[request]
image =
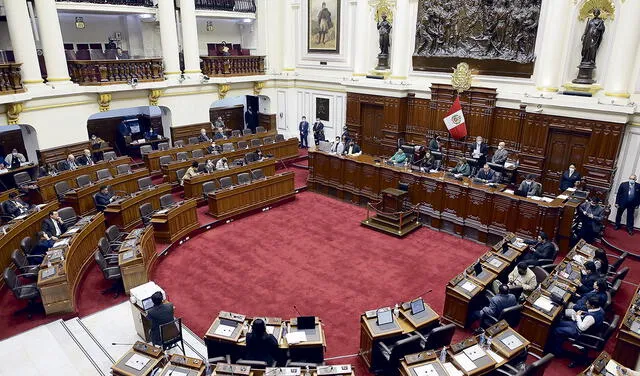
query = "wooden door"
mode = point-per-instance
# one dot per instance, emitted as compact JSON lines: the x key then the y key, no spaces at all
{"x":563,"y":149}
{"x":372,"y":119}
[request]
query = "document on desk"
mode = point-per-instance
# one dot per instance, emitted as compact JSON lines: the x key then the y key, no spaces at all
{"x":224,"y":330}
{"x":563,"y":197}
{"x":474,"y":352}
{"x":544,"y":303}
{"x":463,"y":360}
{"x":611,"y":367}
{"x":635,"y":327}
{"x":512,"y":342}
{"x":426,"y":370}
{"x":452,"y":370}
{"x":497,"y":358}
{"x":175,"y":372}
{"x":468,"y":286}
{"x":271,"y":329}
{"x":547,"y":199}
{"x":509,"y":191}
{"x":579,"y":259}
{"x":61,"y":243}
{"x":73,"y":230}
{"x":296,"y":337}
{"x":495,"y":262}
{"x":137,"y":362}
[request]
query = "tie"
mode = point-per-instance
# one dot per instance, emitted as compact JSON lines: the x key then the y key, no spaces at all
{"x":631,"y":191}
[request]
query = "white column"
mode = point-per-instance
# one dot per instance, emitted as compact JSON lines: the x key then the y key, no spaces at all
{"x":623,"y":52}
{"x":52,"y":45}
{"x":22,"y":42}
{"x":548,"y":70}
{"x":400,"y":38}
{"x":361,"y":39}
{"x":289,"y":49}
{"x":190,"y":47}
{"x":169,"y":37}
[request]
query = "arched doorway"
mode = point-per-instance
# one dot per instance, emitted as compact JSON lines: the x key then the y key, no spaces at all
{"x":245,"y":111}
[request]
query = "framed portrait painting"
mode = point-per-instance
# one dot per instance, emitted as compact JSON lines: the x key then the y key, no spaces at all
{"x":322,"y":109}
{"x":323,"y":26}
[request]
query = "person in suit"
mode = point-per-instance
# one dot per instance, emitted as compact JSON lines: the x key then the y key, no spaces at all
{"x":69,"y":163}
{"x":191,"y":171}
{"x":540,"y":249}
{"x":103,"y":198}
{"x":600,"y":288}
{"x":160,"y":314}
{"x":318,"y":131}
{"x":43,"y":244}
{"x":222,"y":164}
{"x":434,"y":144}
{"x":214,"y":149}
{"x":303,"y":127}
{"x":569,"y":178}
{"x":48,"y":169}
{"x":627,"y":199}
{"x":14,"y":206}
{"x":54,"y":225}
{"x":501,"y":155}
{"x":202,"y":137}
{"x":486,"y":174}
{"x":337,"y":147}
{"x":589,"y":276}
{"x":590,"y":214}
{"x":601,"y":261}
{"x":462,"y":167}
{"x":14,"y":159}
{"x":530,"y":187}
{"x":218,"y":134}
{"x":86,"y":159}
{"x":497,"y":304}
{"x":250,"y":120}
{"x":353,"y":149}
{"x":218,"y":124}
{"x":399,"y":157}
{"x":479,"y":150}
{"x":261,"y":345}
{"x":151,"y":135}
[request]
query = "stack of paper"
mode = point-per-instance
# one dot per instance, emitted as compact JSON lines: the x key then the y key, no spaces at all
{"x":452,"y":370}
{"x":495,"y":262}
{"x":296,"y":337}
{"x":543,"y":303}
{"x":137,"y":362}
{"x":512,"y":342}
{"x":468,"y":286}
{"x":463,"y":361}
{"x":426,"y":370}
{"x":224,"y":330}
{"x":474,"y":352}
{"x":563,"y":197}
{"x":497,"y":358}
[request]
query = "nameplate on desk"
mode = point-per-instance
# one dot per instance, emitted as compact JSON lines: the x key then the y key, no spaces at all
{"x":186,"y":362}
{"x":420,"y":357}
{"x":128,"y":255}
{"x":48,"y":272}
{"x":137,"y":362}
{"x":232,"y":369}
{"x":334,"y":370}
{"x":55,"y":255}
{"x":497,"y":328}
{"x":147,"y":349}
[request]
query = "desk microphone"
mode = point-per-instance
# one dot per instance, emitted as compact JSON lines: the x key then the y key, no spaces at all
{"x":423,"y":294}
{"x":296,"y":309}
{"x":121,"y":344}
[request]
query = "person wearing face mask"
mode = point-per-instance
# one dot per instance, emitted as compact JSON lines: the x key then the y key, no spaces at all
{"x":520,"y":276}
{"x":202,"y":137}
{"x":478,"y":150}
{"x":14,"y":159}
{"x":353,"y":149}
{"x":590,"y":214}
{"x":569,"y":178}
{"x":501,"y":155}
{"x":627,"y":198}
{"x":69,"y":163}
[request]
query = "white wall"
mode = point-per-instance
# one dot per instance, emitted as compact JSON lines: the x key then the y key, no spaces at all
{"x":223,"y":30}
{"x":628,"y":163}
{"x":30,"y":139}
{"x":228,"y":102}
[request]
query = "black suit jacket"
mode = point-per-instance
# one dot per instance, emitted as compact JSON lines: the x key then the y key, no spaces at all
{"x":159,"y":315}
{"x":568,"y":181}
{"x":83,"y":160}
{"x":11,"y":208}
{"x":103,"y":199}
{"x":488,"y":176}
{"x":356,"y":149}
{"x":65,"y":165}
{"x":264,"y":349}
{"x":622,"y":197}
{"x":50,"y":229}
{"x":484,"y":150}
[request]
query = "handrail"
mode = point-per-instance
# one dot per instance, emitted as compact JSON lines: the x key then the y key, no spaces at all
{"x":224,"y":66}
{"x":245,"y":6}
{"x":412,"y":209}
{"x":139,"y":3}
{"x":101,"y":72}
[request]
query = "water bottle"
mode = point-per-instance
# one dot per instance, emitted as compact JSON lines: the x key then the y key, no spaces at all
{"x":482,"y":339}
{"x":443,"y":355}
{"x":396,"y":310}
{"x":590,"y":371}
{"x":307,"y":373}
{"x":207,"y":369}
{"x":489,"y":340}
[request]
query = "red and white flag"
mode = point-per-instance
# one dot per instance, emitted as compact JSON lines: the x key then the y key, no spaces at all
{"x":455,"y":121}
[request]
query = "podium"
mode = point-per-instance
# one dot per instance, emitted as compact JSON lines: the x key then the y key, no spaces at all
{"x":389,"y":215}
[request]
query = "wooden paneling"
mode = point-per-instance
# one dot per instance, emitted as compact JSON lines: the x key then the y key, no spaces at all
{"x":59,"y":153}
{"x":107,"y":128}
{"x":10,"y":140}
{"x":268,"y":121}
{"x":419,"y":122}
{"x":183,"y":132}
{"x":233,"y":116}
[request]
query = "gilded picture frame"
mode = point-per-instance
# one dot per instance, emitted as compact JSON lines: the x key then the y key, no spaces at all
{"x":323,"y":26}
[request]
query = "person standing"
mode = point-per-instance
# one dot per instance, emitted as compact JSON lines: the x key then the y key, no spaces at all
{"x":627,"y":198}
{"x":590,"y":214}
{"x":303,"y":127}
{"x":501,"y":155}
{"x":249,"y":119}
{"x":478,"y":151}
{"x":318,"y":131}
{"x":434,"y":144}
{"x":569,"y":178}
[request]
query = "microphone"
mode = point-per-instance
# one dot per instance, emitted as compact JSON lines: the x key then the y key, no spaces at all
{"x":423,"y":294}
{"x":121,"y":344}
{"x":296,"y":309}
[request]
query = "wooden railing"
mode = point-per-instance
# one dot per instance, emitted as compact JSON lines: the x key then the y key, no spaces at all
{"x":10,"y":80}
{"x":107,"y":72}
{"x":140,"y":3}
{"x":224,"y":66}
{"x":228,"y":5}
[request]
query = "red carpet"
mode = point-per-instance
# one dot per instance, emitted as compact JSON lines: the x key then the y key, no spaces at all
{"x":622,"y":240}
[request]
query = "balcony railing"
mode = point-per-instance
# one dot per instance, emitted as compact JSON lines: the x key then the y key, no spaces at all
{"x":10,"y":80}
{"x":108,"y":72}
{"x":225,"y":66}
{"x":248,"y":6}
{"x":139,"y":3}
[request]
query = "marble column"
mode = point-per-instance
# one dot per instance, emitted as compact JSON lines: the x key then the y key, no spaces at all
{"x":548,"y":73}
{"x":292,"y":8}
{"x":190,"y":37}
{"x":401,"y":50}
{"x":624,"y":51}
{"x":361,"y":41}
{"x":22,"y":41}
{"x":169,"y":37}
{"x":52,"y":44}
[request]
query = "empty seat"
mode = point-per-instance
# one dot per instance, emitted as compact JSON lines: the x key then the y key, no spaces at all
{"x":238,"y":162}
{"x":256,"y":142}
{"x":250,"y":157}
{"x":114,"y":236}
{"x":235,"y":133}
{"x":22,"y":178}
{"x":165,"y":160}
{"x":61,"y":188}
{"x":145,"y":183}
{"x":21,"y":290}
{"x":226,"y":182}
{"x":439,"y":337}
{"x":228,"y":146}
{"x":242,"y":145}
{"x":123,"y":169}
{"x":146,"y":211}
{"x":28,"y":265}
{"x":260,"y":129}
{"x":179,"y":143}
{"x":247,"y":132}
{"x":145,"y":149}
{"x":110,"y":272}
{"x":166,"y":200}
{"x":103,"y":174}
{"x":202,"y":167}
{"x":268,"y":140}
{"x":163,"y":146}
{"x":109,"y":156}
{"x":26,"y":245}
{"x":83,"y":181}
{"x":182,"y":156}
{"x":198,"y":153}
{"x":68,"y":216}
{"x":108,"y":254}
{"x":180,"y":173}
{"x":244,"y":178}
{"x":279,"y":137}
{"x":257,"y":174}
{"x":193,"y":140}
{"x":207,"y":187}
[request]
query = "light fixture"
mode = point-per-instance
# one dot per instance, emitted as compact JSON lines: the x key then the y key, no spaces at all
{"x":247,"y":20}
{"x":145,"y":16}
{"x":181,"y":78}
{"x":80,"y":23}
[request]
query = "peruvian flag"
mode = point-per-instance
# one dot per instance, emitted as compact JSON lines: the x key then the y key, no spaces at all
{"x":455,"y":121}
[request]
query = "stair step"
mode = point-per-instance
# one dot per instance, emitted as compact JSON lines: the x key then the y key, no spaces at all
{"x":92,"y":349}
{"x":393,"y":222}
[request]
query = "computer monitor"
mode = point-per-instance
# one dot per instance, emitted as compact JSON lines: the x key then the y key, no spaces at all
{"x":417,"y":306}
{"x":147,"y":303}
{"x":306,"y":322}
{"x":568,"y":269}
{"x":477,"y":268}
{"x":384,"y":316}
{"x":324,"y":146}
{"x":520,"y":193}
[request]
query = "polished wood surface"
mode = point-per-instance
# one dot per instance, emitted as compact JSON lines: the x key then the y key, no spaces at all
{"x":58,"y":290}
{"x":11,"y":81}
{"x":627,"y":350}
{"x":193,"y":185}
{"x":46,"y":183}
{"x":241,"y":199}
{"x":81,"y":199}
{"x":110,"y":72}
{"x":183,"y":132}
{"x":136,"y":256}
{"x":229,"y":66}
{"x":125,"y":213}
{"x":463,"y":208}
{"x":59,"y":153}
{"x":173,"y":223}
{"x":233,"y":116}
{"x":120,"y":368}
{"x":279,"y":150}
{"x":4,"y":195}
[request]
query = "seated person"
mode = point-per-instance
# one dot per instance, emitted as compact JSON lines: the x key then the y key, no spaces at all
{"x":353,"y":149}
{"x":14,"y":159}
{"x":69,"y":163}
{"x":54,"y":225}
{"x":530,"y":187}
{"x":14,"y":206}
{"x":104,"y":197}
{"x":418,"y":153}
{"x":210,"y":166}
{"x":462,"y":167}
{"x":501,"y":155}
{"x":587,"y":322}
{"x":497,"y":304}
{"x":520,"y":276}
{"x":219,"y":134}
{"x":600,"y":288}
{"x":222,"y":164}
{"x":191,"y":171}
{"x":434,"y":144}
{"x":219,"y":123}
{"x":601,"y":261}
{"x":160,"y":314}
{"x":256,"y":156}
{"x":589,"y":276}
{"x":151,"y":135}
{"x":202,"y":137}
{"x":338,"y":146}
{"x":43,"y":244}
{"x":214,"y":149}
{"x":399,"y":157}
{"x":590,"y":215}
{"x":486,"y":174}
{"x":48,"y":170}
{"x":569,"y":178}
{"x":96,"y":141}
{"x":427,"y":162}
{"x":85,"y":159}
{"x":261,"y":345}
{"x":539,"y":249}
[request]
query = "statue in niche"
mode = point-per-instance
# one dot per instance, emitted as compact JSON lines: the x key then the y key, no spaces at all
{"x":384,"y":29}
{"x":591,"y":40}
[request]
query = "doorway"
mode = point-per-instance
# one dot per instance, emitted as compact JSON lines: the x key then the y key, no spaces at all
{"x":372,"y":118}
{"x":564,"y":149}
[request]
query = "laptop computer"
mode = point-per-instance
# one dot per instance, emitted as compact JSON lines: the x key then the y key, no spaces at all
{"x":477,"y":268}
{"x":417,"y":306}
{"x":306,"y":322}
{"x":147,"y":304}
{"x":384,"y":316}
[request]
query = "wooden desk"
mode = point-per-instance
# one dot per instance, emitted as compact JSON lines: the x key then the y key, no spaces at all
{"x":464,"y":208}
{"x":173,"y":223}
{"x":240,"y":199}
{"x":46,"y":183}
{"x":20,"y":228}
{"x":124,"y":212}
{"x":136,"y":256}
{"x":153,"y":357}
{"x":627,"y":348}
{"x":58,"y":290}
{"x":183,"y":365}
{"x":7,"y":180}
{"x":4,"y":195}
{"x":598,"y":367}
{"x":193,"y":185}
{"x":462,"y":291}
{"x":279,"y":150}
{"x":81,"y":199}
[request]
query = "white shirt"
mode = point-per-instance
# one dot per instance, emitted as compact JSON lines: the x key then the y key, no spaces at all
{"x":584,"y":323}
{"x":221,"y":165}
{"x":571,"y":171}
{"x":55,"y":224}
{"x":476,"y":151}
{"x":340,"y":148}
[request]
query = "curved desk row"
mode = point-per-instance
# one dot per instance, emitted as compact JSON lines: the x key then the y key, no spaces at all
{"x":173,"y":223}
{"x":124,"y":212}
{"x":136,"y":257}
